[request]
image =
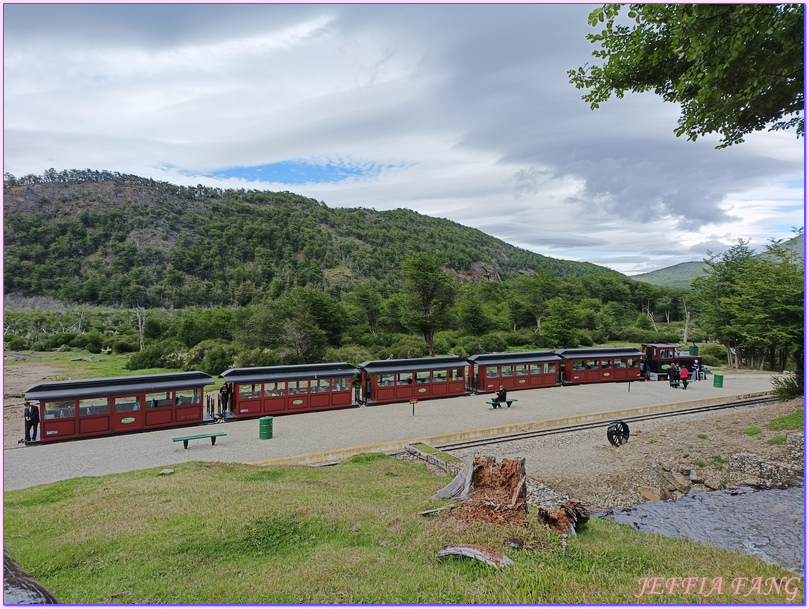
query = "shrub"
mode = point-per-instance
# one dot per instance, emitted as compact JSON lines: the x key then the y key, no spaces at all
{"x":493,"y":342}
{"x":163,"y":354}
{"x":714,"y":350}
{"x":585,"y":338}
{"x":94,"y":341}
{"x":125,"y":345}
{"x":709,"y":360}
{"x":786,"y":387}
{"x":15,"y":343}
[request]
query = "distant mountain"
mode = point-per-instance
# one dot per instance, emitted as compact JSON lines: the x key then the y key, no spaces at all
{"x":680,"y":275}
{"x":677,"y":276}
{"x":100,"y":237}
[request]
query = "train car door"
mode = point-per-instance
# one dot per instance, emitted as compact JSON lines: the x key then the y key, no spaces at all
{"x":274,"y":400}
{"x":439,"y":383}
{"x":321,"y":394}
{"x":404,"y":385}
{"x":456,"y":384}
{"x":298,"y":398}
{"x":94,"y":416}
{"x":57,"y":420}
{"x":127,"y":413}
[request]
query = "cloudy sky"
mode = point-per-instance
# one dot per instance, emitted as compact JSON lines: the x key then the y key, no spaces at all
{"x":457,"y":111}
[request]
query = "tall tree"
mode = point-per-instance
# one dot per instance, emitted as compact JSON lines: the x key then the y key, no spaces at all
{"x":733,"y":68}
{"x":429,"y":293}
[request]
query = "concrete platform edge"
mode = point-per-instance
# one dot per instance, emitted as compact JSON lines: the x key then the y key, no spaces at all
{"x":490,"y":432}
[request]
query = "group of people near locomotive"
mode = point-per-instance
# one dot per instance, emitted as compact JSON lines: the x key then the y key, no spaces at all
{"x":96,"y":407}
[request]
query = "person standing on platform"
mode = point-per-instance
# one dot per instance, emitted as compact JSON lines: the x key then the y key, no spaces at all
{"x":31,"y":415}
{"x":695,"y":374}
{"x":684,"y":377}
{"x":224,"y":395}
{"x":674,"y":376}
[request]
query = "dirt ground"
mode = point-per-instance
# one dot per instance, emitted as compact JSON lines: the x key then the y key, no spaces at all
{"x":16,"y":379}
{"x":586,"y":467}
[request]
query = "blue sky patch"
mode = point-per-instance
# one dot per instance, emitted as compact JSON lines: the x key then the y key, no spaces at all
{"x":289,"y":172}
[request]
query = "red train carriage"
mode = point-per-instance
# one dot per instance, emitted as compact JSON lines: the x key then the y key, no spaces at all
{"x":660,"y":357}
{"x":400,"y":380}
{"x":600,"y":365}
{"x":288,"y":389}
{"x":100,"y":407}
{"x":526,"y":370}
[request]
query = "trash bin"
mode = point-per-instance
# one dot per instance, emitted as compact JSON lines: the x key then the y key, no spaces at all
{"x":693,"y":350}
{"x":265,"y":428}
{"x":717,"y":380}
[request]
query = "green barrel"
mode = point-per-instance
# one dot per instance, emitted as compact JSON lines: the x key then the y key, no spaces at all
{"x":717,"y":380}
{"x":693,"y":350}
{"x":265,"y":428}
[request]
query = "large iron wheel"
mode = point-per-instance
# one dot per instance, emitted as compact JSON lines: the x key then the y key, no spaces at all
{"x":618,"y":433}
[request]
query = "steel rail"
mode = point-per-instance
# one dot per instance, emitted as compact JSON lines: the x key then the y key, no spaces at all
{"x":596,"y":424}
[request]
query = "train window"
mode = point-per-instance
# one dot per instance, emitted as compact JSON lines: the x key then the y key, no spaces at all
{"x":606,"y":364}
{"x":492,"y":372}
{"x":249,"y":391}
{"x":385,"y":380}
{"x":275,"y":389}
{"x":94,"y":406}
{"x":536,"y":368}
{"x":550,"y":368}
{"x":155,"y":400}
{"x":194,"y":396}
{"x":578,"y":364}
{"x":522,"y":369}
{"x":592,"y":364}
{"x":456,"y":374}
{"x":422,"y":377}
{"x":320,"y":385}
{"x":127,"y":404}
{"x":666,"y":353}
{"x":620,"y":363}
{"x":439,"y":376}
{"x":60,"y":410}
{"x":633,"y":362}
{"x":507,"y":370}
{"x":404,"y":378}
{"x":340,"y":384}
{"x":298,"y":387}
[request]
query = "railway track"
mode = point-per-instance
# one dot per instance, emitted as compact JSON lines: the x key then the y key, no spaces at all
{"x":756,"y":401}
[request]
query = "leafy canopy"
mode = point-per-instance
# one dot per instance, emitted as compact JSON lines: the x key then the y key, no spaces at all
{"x":733,"y":68}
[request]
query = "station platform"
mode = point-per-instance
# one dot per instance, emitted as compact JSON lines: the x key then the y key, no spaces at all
{"x":321,"y":437}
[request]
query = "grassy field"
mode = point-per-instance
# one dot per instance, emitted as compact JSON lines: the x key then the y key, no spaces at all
{"x":229,"y":533}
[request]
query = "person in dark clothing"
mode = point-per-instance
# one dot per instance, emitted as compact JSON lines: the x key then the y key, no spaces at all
{"x":31,"y":415}
{"x":501,"y":397}
{"x":674,"y":376}
{"x":224,"y":394}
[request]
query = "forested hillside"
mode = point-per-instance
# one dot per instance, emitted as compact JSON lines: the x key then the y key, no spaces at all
{"x":109,"y":239}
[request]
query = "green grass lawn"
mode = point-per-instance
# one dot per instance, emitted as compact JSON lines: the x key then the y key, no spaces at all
{"x":230,"y":533}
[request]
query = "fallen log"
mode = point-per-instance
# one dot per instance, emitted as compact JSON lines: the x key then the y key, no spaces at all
{"x":482,"y":553}
{"x":458,"y":488}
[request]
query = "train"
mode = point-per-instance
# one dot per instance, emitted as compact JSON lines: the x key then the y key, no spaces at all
{"x":100,"y":407}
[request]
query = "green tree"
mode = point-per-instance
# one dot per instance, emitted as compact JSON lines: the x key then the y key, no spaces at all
{"x":733,"y":68}
{"x":429,"y":295}
{"x":561,"y":324}
{"x":535,"y":291}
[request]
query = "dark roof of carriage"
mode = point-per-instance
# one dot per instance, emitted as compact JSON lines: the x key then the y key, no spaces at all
{"x":599,"y":353}
{"x":414,"y":365}
{"x":117,"y":385}
{"x":525,"y":357}
{"x":285,"y":373}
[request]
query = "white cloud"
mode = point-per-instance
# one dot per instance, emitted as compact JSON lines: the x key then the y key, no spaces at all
{"x":466,"y":109}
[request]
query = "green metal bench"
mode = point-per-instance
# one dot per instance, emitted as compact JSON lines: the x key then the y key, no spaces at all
{"x":495,"y":403}
{"x":212,"y":436}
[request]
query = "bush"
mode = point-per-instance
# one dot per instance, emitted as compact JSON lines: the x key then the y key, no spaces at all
{"x":218,"y":359}
{"x":716,"y":351}
{"x":15,"y":343}
{"x":709,"y":360}
{"x":125,"y":345}
{"x":585,"y":339}
{"x":164,"y":354}
{"x":493,"y":343}
{"x":94,"y":341}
